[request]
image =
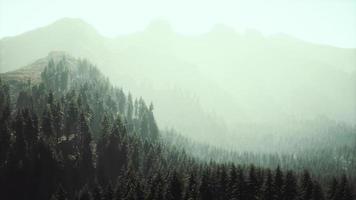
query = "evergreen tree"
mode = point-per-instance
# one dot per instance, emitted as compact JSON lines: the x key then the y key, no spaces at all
{"x":223,"y":183}
{"x":47,"y":124}
{"x":278,"y":184}
{"x":97,"y":193}
{"x":317,"y":192}
{"x":192,"y":188}
{"x":5,"y":115}
{"x":268,"y":188}
{"x":153,"y":128}
{"x":71,"y":120}
{"x":252,"y":184}
{"x":58,"y":117}
{"x":306,"y":186}
{"x":344,"y":191}
{"x":175,"y":187}
{"x":232,"y":181}
{"x":19,"y":145}
{"x":290,"y":187}
{"x":5,"y":137}
{"x":205,"y":192}
{"x":31,"y":127}
{"x":85,"y":162}
{"x":84,"y":194}
{"x":108,"y":193}
{"x":60,"y":194}
{"x":332,"y":191}
{"x":129,"y":109}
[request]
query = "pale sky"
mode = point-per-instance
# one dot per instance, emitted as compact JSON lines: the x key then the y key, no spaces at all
{"x":330,"y":22}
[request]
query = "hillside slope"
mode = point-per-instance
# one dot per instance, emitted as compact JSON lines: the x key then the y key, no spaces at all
{"x":224,"y":79}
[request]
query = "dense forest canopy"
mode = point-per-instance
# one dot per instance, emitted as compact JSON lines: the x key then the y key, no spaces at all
{"x":67,"y":133}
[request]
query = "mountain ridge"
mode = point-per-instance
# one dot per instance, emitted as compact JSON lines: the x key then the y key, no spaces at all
{"x":233,"y":76}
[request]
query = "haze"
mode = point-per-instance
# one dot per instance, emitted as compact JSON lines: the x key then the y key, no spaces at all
{"x":229,"y":73}
{"x":178,"y":99}
{"x":320,"y":21}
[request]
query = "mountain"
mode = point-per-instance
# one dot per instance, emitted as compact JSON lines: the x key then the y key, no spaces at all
{"x":33,"y":71}
{"x":220,"y":82}
{"x":70,"y":134}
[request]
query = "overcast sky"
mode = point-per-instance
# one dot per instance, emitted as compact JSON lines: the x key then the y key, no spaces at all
{"x":321,"y":21}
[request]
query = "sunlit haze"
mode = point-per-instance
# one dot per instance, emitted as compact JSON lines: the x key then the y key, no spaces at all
{"x":330,"y":22}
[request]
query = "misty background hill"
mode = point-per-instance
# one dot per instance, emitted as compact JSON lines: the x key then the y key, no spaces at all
{"x":222,"y":83}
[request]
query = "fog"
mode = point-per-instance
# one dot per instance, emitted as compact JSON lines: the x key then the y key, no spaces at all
{"x":168,"y":99}
{"x":220,"y":75}
{"x":223,"y":87}
{"x":320,"y":21}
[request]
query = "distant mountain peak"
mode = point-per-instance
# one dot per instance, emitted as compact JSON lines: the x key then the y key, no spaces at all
{"x":71,"y":22}
{"x":71,"y":26}
{"x":160,"y":27}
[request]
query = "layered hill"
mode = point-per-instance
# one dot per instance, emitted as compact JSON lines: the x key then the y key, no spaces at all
{"x":219,"y":82}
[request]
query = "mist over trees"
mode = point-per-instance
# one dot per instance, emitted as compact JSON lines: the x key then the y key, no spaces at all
{"x":69,"y":134}
{"x":160,"y":115}
{"x":231,"y":83}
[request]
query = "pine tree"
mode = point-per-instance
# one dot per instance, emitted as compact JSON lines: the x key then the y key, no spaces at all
{"x":5,"y":112}
{"x":223,"y":183}
{"x":97,"y":193}
{"x":232,"y":180}
{"x":205,"y":192}
{"x":278,"y":184}
{"x":240,"y":187}
{"x":129,"y":109}
{"x":85,"y":162}
{"x":191,"y":192}
{"x":71,"y":120}
{"x":84,"y":194}
{"x":20,"y":144}
{"x":317,"y":192}
{"x":5,"y":137}
{"x":252,"y":184}
{"x":306,"y":186}
{"x":58,"y":117}
{"x":290,"y":187}
{"x":31,"y":127}
{"x":108,"y":193}
{"x":268,"y":188}
{"x":175,"y":188}
{"x":109,"y":151}
{"x":105,"y":127}
{"x":60,"y":194}
{"x":331,"y":194}
{"x":47,"y":124}
{"x":344,"y":191}
{"x":153,"y":128}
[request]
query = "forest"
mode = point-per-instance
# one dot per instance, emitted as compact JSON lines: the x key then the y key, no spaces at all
{"x":70,"y":134}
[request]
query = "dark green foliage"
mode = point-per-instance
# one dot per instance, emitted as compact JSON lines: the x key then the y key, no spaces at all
{"x":205,"y":190}
{"x":252,"y":184}
{"x":92,"y":142}
{"x":60,"y":194}
{"x":5,"y":112}
{"x":306,"y":186}
{"x":267,"y":192}
{"x":192,"y":188}
{"x":317,"y":192}
{"x":344,"y":191}
{"x":290,"y":187}
{"x":278,"y":184}
{"x":175,"y":187}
